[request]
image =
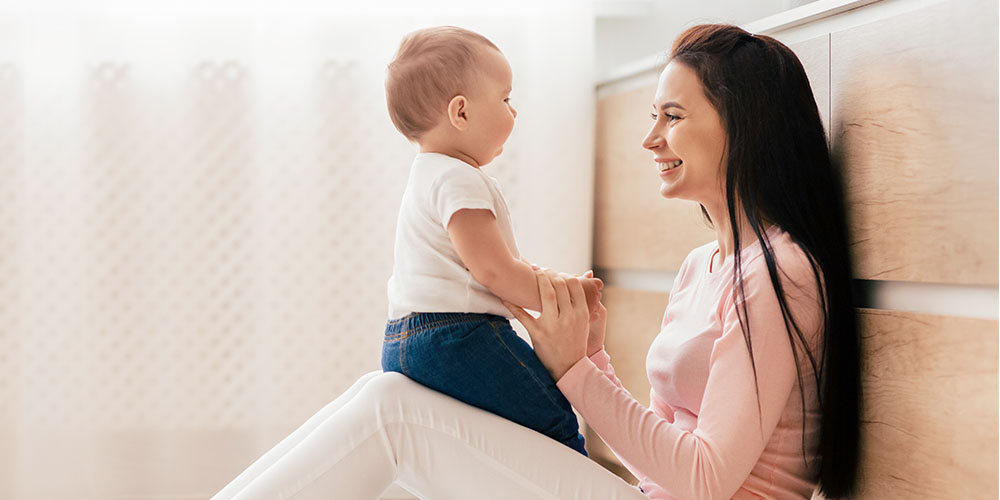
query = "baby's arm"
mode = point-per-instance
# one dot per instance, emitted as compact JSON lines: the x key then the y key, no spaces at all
{"x":478,"y":242}
{"x":476,"y":237}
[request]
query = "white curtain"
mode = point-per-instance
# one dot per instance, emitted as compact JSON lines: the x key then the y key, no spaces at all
{"x":197,"y":209}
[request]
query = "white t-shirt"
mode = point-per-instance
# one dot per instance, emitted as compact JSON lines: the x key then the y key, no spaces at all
{"x":427,"y":274}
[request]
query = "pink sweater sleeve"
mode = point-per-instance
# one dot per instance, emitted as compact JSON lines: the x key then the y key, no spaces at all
{"x":716,"y":458}
{"x":602,"y":360}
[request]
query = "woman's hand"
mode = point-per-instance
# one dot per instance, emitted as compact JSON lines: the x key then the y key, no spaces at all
{"x":598,"y":327}
{"x":598,"y":323}
{"x":560,"y":334}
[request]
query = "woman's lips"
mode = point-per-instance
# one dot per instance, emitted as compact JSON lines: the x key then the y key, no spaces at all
{"x":668,"y":172}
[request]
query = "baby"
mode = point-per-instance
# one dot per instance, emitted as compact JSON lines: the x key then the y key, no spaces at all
{"x":448,"y":91}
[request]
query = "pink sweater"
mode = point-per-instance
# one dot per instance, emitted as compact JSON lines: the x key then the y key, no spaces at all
{"x":703,"y":437}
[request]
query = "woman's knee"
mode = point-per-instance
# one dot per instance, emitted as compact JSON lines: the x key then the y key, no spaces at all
{"x":389,"y":384}
{"x":389,"y":387}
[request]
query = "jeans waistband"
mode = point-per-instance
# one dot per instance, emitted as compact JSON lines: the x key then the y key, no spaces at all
{"x":413,"y":321}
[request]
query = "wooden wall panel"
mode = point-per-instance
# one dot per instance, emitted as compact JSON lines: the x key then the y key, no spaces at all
{"x":635,"y":227}
{"x":930,"y":418}
{"x":915,"y":122}
{"x":633,"y":322}
{"x":634,"y":319}
{"x":814,"y":54}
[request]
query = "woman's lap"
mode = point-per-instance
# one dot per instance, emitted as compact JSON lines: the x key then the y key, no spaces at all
{"x":395,"y":430}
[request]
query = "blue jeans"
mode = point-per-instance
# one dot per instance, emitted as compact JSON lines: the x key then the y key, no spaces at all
{"x":480,"y":360}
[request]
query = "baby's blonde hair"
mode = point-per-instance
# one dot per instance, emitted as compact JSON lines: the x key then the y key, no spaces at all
{"x":432,"y":66}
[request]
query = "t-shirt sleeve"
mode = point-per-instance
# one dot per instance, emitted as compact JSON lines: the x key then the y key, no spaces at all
{"x":714,"y":459}
{"x":458,"y":188}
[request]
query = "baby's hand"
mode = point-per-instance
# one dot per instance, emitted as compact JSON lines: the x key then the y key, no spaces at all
{"x":591,"y":287}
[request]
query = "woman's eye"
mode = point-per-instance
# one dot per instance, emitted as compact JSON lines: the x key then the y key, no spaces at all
{"x":669,"y":116}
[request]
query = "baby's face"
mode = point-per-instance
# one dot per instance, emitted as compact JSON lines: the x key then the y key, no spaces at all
{"x":491,"y":116}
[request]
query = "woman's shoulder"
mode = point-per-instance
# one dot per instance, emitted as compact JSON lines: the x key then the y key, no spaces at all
{"x":788,"y":254}
{"x":793,"y":264}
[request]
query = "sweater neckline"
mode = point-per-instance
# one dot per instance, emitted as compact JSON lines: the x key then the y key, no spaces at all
{"x":712,"y":270}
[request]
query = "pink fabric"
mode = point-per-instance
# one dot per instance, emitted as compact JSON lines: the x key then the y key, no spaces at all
{"x":704,"y":436}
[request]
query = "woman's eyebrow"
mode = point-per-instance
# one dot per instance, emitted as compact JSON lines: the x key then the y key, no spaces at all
{"x":671,"y":104}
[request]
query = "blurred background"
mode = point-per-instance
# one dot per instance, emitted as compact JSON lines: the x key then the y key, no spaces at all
{"x":198,"y":202}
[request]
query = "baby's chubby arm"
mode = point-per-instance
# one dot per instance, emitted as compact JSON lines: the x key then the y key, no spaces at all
{"x":477,"y":240}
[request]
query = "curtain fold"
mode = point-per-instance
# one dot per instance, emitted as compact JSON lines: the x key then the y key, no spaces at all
{"x":197,"y":211}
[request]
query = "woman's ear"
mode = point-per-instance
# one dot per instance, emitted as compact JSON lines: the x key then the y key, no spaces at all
{"x":456,"y":112}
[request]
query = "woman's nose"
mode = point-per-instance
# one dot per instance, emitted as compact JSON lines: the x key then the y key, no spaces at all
{"x":653,"y":139}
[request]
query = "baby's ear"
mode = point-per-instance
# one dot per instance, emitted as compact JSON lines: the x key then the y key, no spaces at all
{"x":456,"y":112}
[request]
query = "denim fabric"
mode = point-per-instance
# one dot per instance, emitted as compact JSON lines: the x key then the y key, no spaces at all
{"x":480,"y":360}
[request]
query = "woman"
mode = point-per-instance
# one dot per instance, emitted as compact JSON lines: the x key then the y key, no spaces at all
{"x":755,"y":374}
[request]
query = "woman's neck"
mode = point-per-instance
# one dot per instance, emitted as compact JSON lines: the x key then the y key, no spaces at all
{"x":724,"y":232}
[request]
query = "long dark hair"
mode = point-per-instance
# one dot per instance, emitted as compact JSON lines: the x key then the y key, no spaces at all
{"x":779,"y":170}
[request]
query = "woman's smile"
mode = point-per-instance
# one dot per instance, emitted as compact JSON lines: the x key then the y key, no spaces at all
{"x":668,"y":167}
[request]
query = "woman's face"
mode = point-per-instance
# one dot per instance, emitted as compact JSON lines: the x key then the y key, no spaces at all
{"x":687,"y":128}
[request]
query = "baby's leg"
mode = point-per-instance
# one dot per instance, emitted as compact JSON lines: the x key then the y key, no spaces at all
{"x":292,"y":439}
{"x":396,"y":430}
{"x":480,"y":360}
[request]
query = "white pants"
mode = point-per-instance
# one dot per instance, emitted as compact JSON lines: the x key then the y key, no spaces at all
{"x":388,"y":429}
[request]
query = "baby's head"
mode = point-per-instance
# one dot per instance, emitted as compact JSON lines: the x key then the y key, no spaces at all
{"x":448,"y":90}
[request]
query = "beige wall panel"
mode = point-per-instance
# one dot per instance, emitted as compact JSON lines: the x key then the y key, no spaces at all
{"x":633,"y":322}
{"x":635,"y":227}
{"x":814,"y":54}
{"x":930,"y":418}
{"x":634,"y":319}
{"x":914,"y":117}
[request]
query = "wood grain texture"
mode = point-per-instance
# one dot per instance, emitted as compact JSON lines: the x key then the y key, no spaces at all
{"x":814,"y":54}
{"x":915,"y":123}
{"x":635,"y":227}
{"x":633,"y":322}
{"x":930,"y":418}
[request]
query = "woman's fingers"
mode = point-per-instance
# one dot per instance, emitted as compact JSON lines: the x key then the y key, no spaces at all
{"x":576,"y":293}
{"x":547,"y":291}
{"x":526,"y":319}
{"x":562,"y":294}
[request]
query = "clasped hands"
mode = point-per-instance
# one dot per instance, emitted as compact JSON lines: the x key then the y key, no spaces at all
{"x":572,"y":322}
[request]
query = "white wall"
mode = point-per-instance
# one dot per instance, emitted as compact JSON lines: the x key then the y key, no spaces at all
{"x":641,"y":29}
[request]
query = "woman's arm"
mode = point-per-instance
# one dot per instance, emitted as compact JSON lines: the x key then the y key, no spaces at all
{"x":714,"y":459}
